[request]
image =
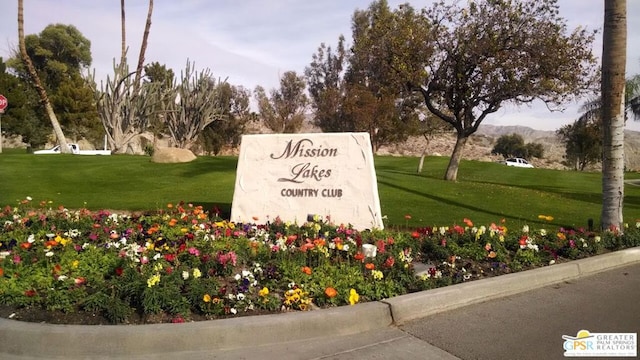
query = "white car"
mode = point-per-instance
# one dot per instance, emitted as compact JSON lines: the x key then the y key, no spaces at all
{"x":518,"y":162}
{"x":75,"y":149}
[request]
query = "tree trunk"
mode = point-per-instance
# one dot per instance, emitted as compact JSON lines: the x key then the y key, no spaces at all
{"x":62,"y":141}
{"x":143,"y":46}
{"x":613,"y":82}
{"x":454,"y":162}
{"x":123,"y":53}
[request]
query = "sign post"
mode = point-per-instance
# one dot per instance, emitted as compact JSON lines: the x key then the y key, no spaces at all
{"x":3,"y":105}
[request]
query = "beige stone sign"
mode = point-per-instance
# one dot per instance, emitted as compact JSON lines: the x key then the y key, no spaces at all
{"x":292,"y":176}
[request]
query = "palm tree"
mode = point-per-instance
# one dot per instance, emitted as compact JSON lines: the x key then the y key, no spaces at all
{"x":62,"y":141}
{"x":592,"y":109}
{"x":614,"y":57}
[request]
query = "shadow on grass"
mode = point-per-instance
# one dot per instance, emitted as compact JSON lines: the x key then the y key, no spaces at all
{"x":465,"y":206}
{"x":207,"y":164}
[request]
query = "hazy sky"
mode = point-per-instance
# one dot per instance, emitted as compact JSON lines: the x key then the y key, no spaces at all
{"x":252,"y":42}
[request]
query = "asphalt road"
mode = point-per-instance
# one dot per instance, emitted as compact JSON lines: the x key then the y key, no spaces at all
{"x":530,"y":325}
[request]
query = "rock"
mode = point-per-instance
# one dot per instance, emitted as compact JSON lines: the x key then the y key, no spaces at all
{"x":172,"y":155}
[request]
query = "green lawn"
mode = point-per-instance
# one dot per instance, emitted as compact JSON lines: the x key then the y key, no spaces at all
{"x":484,"y":192}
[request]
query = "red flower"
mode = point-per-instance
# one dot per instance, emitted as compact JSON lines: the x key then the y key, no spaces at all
{"x":381,"y":246}
{"x":523,"y":240}
{"x":177,"y":320}
{"x":358,"y":256}
{"x":170,"y":257}
{"x":25,"y":245}
{"x":119,"y":271}
{"x":80,"y":280}
{"x":30,"y":293}
{"x":370,"y":266}
{"x":415,"y":235}
{"x":389,"y":262}
{"x":306,"y":270}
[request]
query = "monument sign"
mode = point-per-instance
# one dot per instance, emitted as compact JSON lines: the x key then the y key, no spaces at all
{"x":293,"y":176}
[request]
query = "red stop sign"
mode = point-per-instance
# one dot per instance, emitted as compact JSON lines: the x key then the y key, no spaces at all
{"x":3,"y":103}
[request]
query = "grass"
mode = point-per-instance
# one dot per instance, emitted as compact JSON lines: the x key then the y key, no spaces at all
{"x":484,"y":192}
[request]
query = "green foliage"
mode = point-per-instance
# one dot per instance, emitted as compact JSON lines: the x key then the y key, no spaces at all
{"x":236,"y":114}
{"x":364,"y":89}
{"x":513,"y":146}
{"x":583,"y":143}
{"x":283,"y":110}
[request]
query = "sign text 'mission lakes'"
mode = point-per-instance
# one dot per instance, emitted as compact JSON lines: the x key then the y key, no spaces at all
{"x":306,"y":170}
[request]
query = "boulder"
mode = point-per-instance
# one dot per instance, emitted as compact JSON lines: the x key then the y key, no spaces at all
{"x":172,"y":155}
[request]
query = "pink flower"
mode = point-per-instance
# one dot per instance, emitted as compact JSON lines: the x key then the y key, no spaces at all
{"x":194,"y":251}
{"x":17,"y":259}
{"x":80,"y":280}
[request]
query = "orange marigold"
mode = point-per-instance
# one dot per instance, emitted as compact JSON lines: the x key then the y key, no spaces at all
{"x":330,"y":292}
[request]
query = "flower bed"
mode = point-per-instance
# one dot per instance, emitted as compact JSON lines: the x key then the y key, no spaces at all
{"x":183,"y":263}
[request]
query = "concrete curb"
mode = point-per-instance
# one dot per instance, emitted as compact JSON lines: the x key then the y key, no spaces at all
{"x":413,"y":306}
{"x":31,"y":340}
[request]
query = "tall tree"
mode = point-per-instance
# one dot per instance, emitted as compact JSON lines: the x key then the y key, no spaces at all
{"x":326,"y":84}
{"x":283,"y":110}
{"x":493,"y":52}
{"x":44,"y":98}
{"x":21,"y":118}
{"x":361,"y":90}
{"x":614,"y":57}
{"x":387,"y":46}
{"x":236,"y":114}
{"x":582,"y":141}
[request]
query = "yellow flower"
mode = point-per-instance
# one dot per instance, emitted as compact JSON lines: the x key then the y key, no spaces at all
{"x":197,"y":273}
{"x":264,"y":292}
{"x":153,"y":280}
{"x":377,"y":274}
{"x":75,"y":264}
{"x":206,"y":298}
{"x":353,"y":297}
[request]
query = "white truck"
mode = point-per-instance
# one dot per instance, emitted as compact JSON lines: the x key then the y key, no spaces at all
{"x":75,"y":149}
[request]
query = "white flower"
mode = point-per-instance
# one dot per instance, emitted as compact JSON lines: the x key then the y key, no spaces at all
{"x":185,"y":275}
{"x":597,"y":239}
{"x":29,"y":198}
{"x":245,"y":273}
{"x":62,"y":277}
{"x":31,"y":239}
{"x":345,"y":247}
{"x":156,"y":256}
{"x":4,"y":254}
{"x":543,"y":232}
{"x":231,"y":297}
{"x":240,"y":297}
{"x":48,"y":254}
{"x":551,"y":262}
{"x":237,"y":277}
{"x":234,"y":311}
{"x":525,"y":229}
